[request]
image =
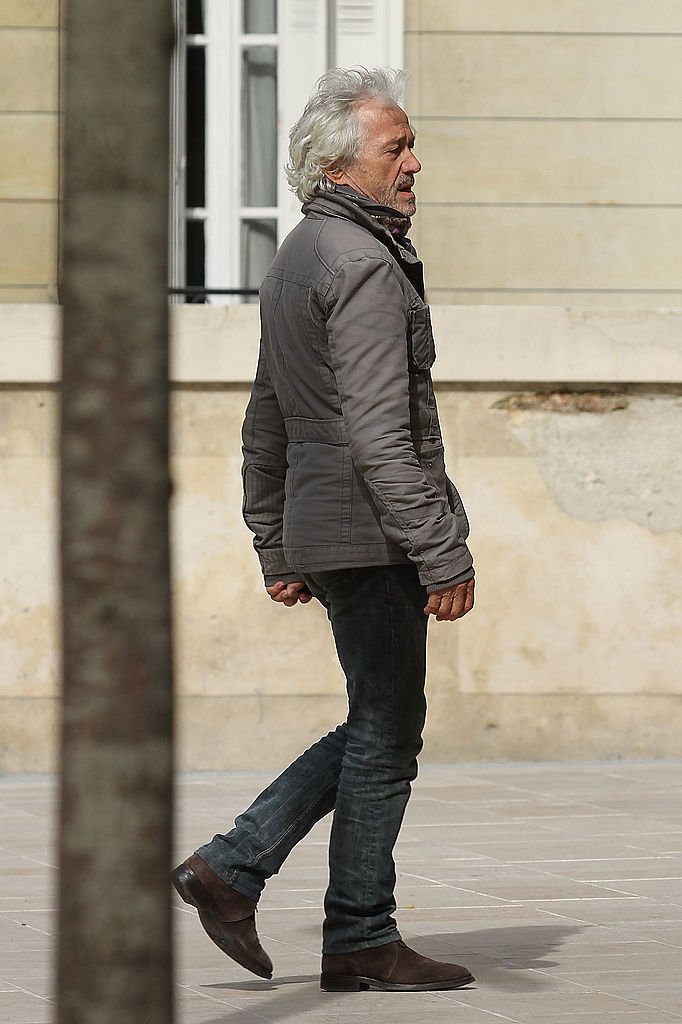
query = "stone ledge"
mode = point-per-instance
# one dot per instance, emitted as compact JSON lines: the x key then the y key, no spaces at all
{"x":243,"y":732}
{"x":476,"y":344}
{"x":249,"y":732}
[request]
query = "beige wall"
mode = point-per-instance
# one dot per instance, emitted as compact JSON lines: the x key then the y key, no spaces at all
{"x":573,"y":649}
{"x":551,"y":135}
{"x":550,"y":132}
{"x":29,"y":100}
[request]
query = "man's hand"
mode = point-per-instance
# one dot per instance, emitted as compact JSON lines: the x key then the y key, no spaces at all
{"x":452,"y":602}
{"x":290,"y":594}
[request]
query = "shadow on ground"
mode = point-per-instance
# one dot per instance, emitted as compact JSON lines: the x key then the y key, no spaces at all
{"x":493,"y":954}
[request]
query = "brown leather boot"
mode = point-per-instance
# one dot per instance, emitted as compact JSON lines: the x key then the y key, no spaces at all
{"x":393,"y":967}
{"x":228,"y":917}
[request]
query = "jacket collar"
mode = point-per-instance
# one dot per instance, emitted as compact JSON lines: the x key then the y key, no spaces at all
{"x":398,"y":224}
{"x":338,"y":204}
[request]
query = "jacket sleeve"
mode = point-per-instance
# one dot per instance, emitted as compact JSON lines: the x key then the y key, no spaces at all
{"x":264,"y":447}
{"x":367,"y":332}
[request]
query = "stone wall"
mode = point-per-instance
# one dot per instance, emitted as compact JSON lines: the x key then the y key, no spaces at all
{"x":550,"y":133}
{"x":549,"y":220}
{"x":573,"y":649}
{"x":29,"y":175}
{"x":551,"y":136}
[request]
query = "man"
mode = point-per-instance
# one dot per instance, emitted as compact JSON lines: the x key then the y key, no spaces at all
{"x":346,"y":493}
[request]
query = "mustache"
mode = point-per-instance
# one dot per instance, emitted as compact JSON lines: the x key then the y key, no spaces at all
{"x":406,"y":182}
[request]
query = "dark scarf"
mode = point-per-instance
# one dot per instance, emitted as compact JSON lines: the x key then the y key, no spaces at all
{"x":396,"y":223}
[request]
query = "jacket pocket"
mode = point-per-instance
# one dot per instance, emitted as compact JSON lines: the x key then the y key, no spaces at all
{"x":421,"y":350}
{"x":317,"y":507}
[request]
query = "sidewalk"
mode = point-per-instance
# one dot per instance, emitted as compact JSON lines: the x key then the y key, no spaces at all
{"x":558,"y":885}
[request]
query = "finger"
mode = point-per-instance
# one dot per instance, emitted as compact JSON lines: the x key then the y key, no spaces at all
{"x":432,"y":604}
{"x":305,"y":596}
{"x":445,"y":607}
{"x":464,"y":600}
{"x":467,"y":600}
{"x":276,"y":589}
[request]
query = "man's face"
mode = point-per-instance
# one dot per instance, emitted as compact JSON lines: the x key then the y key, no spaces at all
{"x":385,"y":167}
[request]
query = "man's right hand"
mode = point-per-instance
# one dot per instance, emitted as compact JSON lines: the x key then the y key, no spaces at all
{"x":289,"y":594}
{"x":452,"y":602}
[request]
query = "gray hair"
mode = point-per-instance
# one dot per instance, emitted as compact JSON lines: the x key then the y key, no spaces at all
{"x":327,"y":135}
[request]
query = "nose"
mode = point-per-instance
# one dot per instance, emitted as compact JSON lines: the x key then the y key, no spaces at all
{"x":411,"y":164}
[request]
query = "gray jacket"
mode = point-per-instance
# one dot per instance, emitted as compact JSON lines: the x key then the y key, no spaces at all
{"x":343,"y":454}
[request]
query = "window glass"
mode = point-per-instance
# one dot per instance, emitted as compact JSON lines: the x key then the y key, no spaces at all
{"x":259,"y":126}
{"x":194,"y":254}
{"x":195,"y":17}
{"x":260,"y":16}
{"x":195,"y":147}
{"x":258,"y":246}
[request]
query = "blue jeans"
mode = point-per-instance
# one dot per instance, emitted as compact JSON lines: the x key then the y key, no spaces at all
{"x":362,"y":770}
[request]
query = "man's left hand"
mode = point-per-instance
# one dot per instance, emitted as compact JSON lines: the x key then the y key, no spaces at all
{"x":289,"y":594}
{"x":452,"y":602}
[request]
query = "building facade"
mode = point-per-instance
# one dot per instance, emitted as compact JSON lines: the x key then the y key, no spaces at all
{"x":549,"y":222}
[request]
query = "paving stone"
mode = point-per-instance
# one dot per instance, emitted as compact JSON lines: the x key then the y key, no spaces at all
{"x":559,"y":885}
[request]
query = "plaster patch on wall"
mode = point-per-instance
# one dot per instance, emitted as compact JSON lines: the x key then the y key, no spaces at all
{"x":563,"y":401}
{"x":618,"y":462}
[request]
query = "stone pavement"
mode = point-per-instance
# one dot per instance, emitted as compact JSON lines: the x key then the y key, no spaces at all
{"x":558,"y":885}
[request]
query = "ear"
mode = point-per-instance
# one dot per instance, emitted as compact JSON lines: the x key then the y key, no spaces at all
{"x":337,"y":177}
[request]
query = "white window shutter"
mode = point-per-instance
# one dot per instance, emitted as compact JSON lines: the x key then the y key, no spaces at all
{"x":369,"y":33}
{"x":303,"y":57}
{"x":222,"y":144}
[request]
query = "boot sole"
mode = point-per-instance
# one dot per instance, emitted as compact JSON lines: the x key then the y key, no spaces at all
{"x":192,"y":891}
{"x":359,"y":983}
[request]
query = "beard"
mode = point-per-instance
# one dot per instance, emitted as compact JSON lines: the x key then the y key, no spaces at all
{"x":400,"y":200}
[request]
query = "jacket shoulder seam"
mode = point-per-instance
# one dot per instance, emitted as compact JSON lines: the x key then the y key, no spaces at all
{"x":317,"y":251}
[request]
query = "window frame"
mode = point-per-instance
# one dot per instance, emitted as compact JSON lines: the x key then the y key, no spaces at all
{"x":327,"y":32}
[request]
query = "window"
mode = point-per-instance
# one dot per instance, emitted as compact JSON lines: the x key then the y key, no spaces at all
{"x":242,"y":70}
